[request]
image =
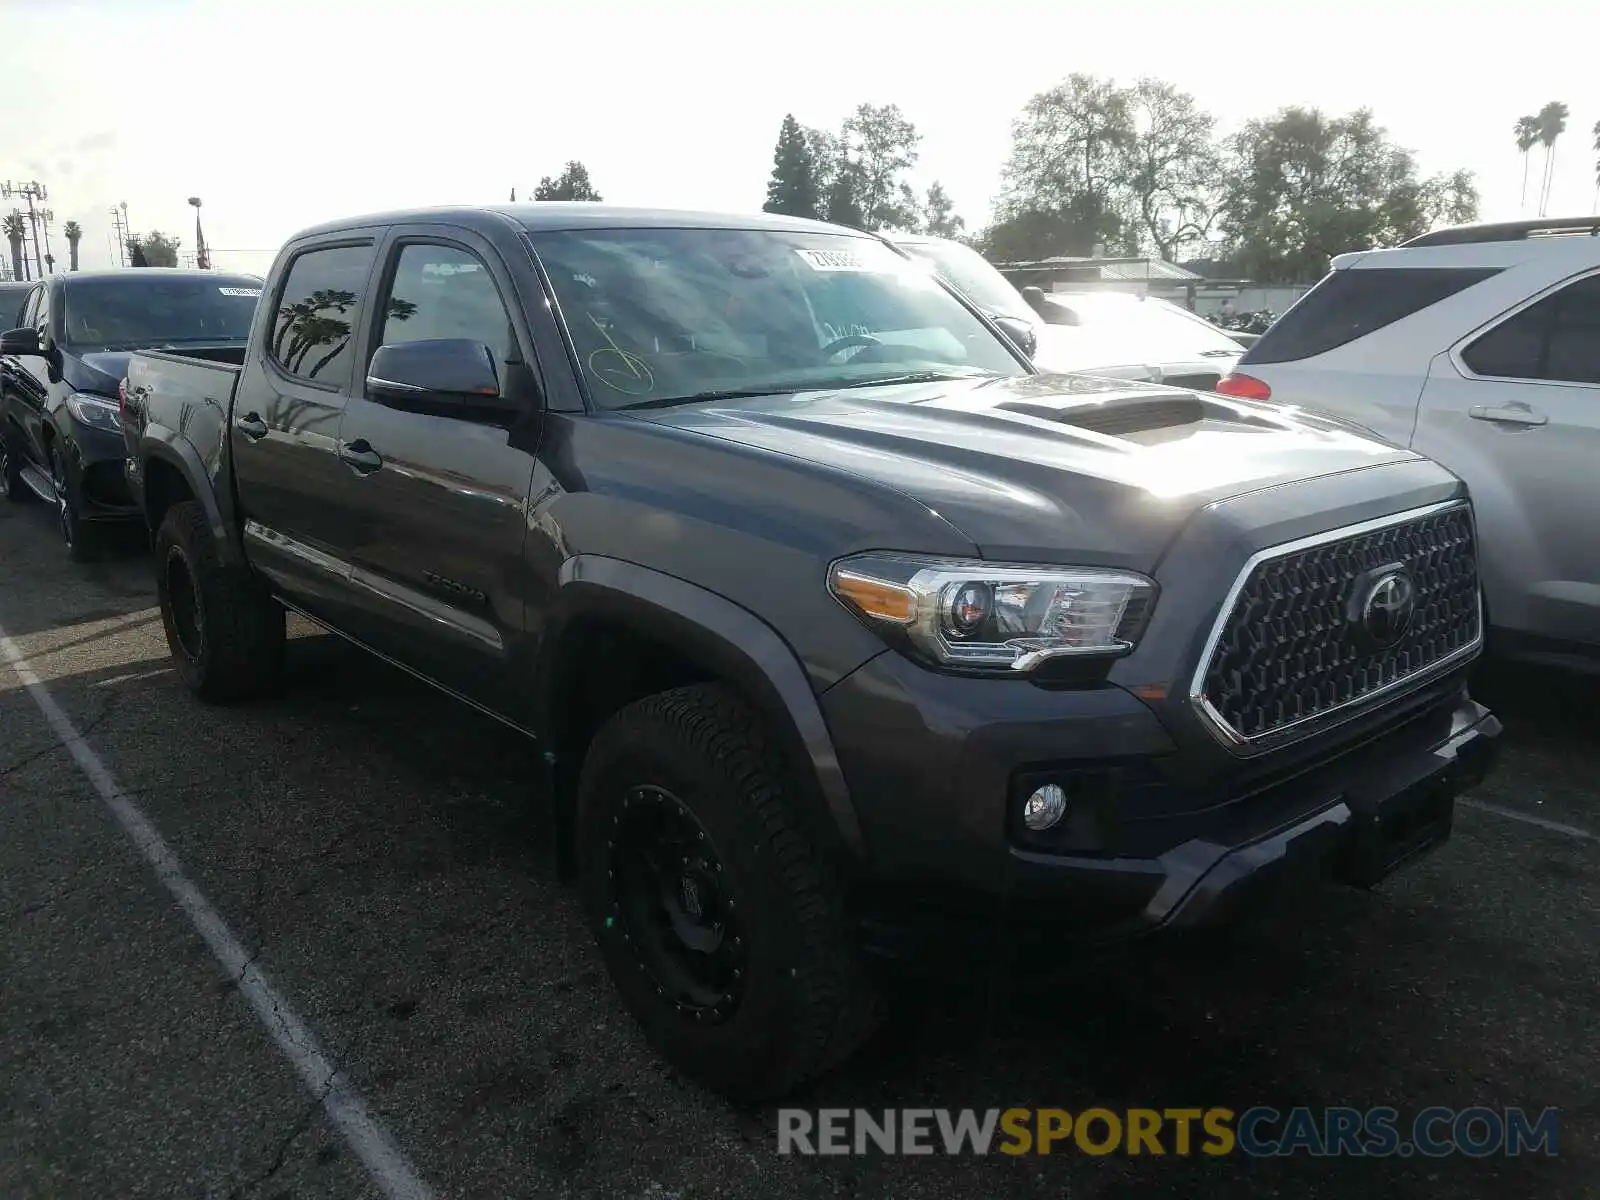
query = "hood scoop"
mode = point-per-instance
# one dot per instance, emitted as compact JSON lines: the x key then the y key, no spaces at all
{"x":1133,"y":413}
{"x":1123,"y":415}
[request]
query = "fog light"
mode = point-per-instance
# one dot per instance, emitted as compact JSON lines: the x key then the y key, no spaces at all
{"x":1044,"y":808}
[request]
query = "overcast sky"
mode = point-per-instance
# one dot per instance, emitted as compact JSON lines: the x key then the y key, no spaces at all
{"x":287,"y":113}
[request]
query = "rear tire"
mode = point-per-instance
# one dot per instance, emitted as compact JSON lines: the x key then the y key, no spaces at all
{"x":721,"y":922}
{"x":224,"y":629}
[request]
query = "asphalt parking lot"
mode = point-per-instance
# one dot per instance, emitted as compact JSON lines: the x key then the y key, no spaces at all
{"x":368,"y":844}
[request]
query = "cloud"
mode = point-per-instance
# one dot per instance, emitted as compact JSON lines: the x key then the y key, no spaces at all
{"x":94,"y":143}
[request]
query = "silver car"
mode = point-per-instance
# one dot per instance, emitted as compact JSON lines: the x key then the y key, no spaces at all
{"x":1088,"y":333}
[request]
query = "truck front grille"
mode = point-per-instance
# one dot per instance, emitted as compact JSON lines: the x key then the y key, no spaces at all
{"x":1313,"y":627}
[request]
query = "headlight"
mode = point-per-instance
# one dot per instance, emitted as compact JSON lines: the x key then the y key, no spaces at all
{"x":995,"y":616}
{"x":96,"y":411}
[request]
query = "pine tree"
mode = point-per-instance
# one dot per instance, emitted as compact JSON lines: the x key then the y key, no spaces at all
{"x":572,"y":184}
{"x":792,"y":190}
{"x":844,"y":197}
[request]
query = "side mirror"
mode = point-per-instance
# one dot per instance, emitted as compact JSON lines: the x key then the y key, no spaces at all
{"x":438,"y":373}
{"x":20,"y":342}
{"x":1035,"y":297}
{"x":1021,"y":332}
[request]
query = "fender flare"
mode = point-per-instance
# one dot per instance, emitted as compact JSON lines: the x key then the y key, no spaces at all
{"x":736,"y":643}
{"x":160,"y":444}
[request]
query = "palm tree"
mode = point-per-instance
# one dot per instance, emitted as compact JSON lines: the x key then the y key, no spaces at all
{"x":15,"y":230}
{"x":73,"y":232}
{"x":1527,"y":130}
{"x":1597,"y":166}
{"x":1552,"y":124}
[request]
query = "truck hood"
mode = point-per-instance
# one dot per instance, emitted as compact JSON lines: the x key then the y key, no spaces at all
{"x":1048,"y":467}
{"x":103,"y":370}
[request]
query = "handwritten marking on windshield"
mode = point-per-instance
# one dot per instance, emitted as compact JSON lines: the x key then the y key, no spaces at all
{"x":619,"y":370}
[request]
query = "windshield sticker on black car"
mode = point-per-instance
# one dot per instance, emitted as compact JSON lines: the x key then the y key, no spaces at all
{"x":240,"y":291}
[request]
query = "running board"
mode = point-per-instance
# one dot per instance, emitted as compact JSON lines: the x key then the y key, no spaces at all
{"x":39,"y":484}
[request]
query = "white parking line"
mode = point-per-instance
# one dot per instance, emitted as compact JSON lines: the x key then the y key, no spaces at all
{"x":1512,"y":814}
{"x":371,"y":1143}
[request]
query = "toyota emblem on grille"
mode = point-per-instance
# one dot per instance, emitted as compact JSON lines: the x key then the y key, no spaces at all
{"x":1388,"y":606}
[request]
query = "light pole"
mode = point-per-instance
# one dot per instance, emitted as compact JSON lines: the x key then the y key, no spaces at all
{"x":45,"y":217}
{"x":31,"y":191}
{"x":202,"y":260}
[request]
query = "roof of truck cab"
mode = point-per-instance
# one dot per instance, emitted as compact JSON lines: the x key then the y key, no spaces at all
{"x":542,"y":215}
{"x":132,"y":273}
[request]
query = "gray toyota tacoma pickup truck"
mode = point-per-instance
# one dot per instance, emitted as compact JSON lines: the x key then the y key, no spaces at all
{"x":830,"y":614}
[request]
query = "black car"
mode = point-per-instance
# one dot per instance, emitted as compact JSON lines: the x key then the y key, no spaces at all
{"x":62,"y":370}
{"x":12,"y":294}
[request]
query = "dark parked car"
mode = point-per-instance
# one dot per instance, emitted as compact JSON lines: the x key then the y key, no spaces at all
{"x":11,"y":297}
{"x":60,"y":430}
{"x":829,"y":613}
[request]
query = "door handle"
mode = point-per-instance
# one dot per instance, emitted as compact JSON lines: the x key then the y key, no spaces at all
{"x":252,"y":426}
{"x":1507,"y":415}
{"x":360,"y":457}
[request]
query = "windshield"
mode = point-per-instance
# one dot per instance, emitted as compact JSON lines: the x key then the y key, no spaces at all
{"x":963,"y":267}
{"x":142,"y":311}
{"x":659,"y":316}
{"x":1153,"y":330}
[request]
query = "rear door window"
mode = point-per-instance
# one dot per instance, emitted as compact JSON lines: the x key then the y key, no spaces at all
{"x":1557,"y":339}
{"x":1350,"y":304}
{"x":319,"y":312}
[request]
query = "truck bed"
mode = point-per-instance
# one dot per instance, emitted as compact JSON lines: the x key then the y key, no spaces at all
{"x":169,"y":379}
{"x":186,"y":393}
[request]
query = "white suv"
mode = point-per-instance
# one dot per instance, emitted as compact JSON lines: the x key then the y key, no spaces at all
{"x":1479,"y":347}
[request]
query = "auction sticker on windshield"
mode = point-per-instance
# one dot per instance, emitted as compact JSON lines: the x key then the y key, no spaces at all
{"x":240,"y":291}
{"x":837,"y":260}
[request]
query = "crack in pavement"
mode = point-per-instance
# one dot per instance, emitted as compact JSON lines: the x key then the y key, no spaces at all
{"x":280,"y":1158}
{"x":302,"y":1124}
{"x":59,"y":894}
{"x":88,"y":727}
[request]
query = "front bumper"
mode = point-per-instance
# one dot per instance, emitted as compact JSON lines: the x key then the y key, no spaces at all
{"x":95,"y":459}
{"x":936,"y":765}
{"x":1355,"y":820}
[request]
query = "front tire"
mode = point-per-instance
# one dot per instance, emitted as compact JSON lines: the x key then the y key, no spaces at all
{"x":80,"y":538}
{"x":720,"y":921}
{"x":225,"y":631}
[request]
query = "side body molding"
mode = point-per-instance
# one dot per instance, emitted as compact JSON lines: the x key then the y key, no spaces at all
{"x":717,"y":631}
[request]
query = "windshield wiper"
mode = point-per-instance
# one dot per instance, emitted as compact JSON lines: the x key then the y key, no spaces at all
{"x":808,"y":386}
{"x":921,"y":377}
{"x":723,"y":394}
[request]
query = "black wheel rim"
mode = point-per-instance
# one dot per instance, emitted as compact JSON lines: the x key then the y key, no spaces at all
{"x":58,"y":480}
{"x":188,"y":626}
{"x":671,"y":898}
